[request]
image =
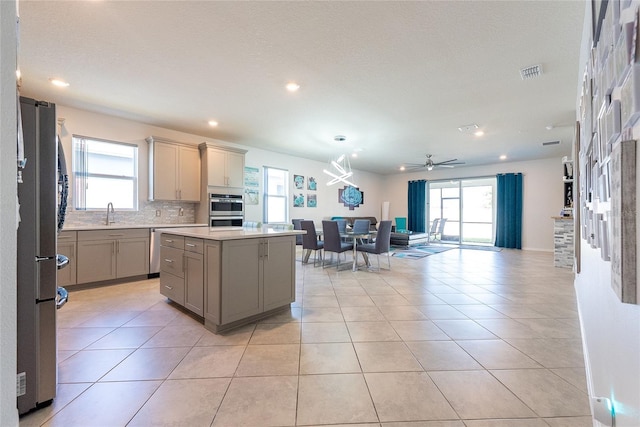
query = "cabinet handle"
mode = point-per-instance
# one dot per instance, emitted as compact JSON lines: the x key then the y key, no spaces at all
{"x":118,"y":246}
{"x":191,"y":245}
{"x":184,"y":261}
{"x":168,"y":260}
{"x":116,"y":235}
{"x":168,"y":240}
{"x":168,"y":287}
{"x":266,"y":246}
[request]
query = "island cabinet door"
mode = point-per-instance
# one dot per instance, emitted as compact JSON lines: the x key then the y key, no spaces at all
{"x":241,"y":294}
{"x":279,"y":271}
{"x":193,"y":282}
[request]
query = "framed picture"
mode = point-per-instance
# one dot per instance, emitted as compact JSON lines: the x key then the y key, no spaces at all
{"x":312,"y":200}
{"x":298,"y":200}
{"x":298,"y":182}
{"x":623,"y":222}
{"x":312,"y":185}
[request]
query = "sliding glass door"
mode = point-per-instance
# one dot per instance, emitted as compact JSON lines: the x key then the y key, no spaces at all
{"x":468,"y":206}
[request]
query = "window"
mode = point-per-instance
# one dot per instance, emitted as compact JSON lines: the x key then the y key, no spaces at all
{"x":103,"y":172}
{"x":276,"y":195}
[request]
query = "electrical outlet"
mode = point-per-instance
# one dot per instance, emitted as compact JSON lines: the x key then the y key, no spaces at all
{"x":181,"y":212}
{"x":158,"y":212}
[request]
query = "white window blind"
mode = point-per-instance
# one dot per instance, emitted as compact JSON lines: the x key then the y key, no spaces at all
{"x":104,"y":171}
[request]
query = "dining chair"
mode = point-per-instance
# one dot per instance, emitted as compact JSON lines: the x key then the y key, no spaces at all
{"x":297,"y":226}
{"x":342,"y":229}
{"x":434,"y":230}
{"x":381,"y":245}
{"x":333,"y":242}
{"x":310,"y":242}
{"x":361,"y":226}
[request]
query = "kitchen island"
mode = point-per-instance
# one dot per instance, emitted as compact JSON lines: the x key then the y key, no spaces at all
{"x":229,"y":278}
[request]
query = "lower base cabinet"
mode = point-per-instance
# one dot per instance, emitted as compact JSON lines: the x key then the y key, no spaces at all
{"x":247,"y":277}
{"x":112,"y":254}
{"x":182,"y":271}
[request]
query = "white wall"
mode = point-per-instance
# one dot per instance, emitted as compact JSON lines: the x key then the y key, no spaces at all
{"x":610,"y":329}
{"x":542,"y":194}
{"x":8,"y":190}
{"x":80,"y":122}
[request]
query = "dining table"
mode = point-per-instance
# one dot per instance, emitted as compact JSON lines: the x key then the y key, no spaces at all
{"x":355,"y":237}
{"x":358,"y":236}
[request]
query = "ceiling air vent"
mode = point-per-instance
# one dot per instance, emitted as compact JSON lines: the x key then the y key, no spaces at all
{"x":551,"y":143}
{"x":531,"y":72}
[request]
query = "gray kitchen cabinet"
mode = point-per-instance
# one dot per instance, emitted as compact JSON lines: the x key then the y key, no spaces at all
{"x":182,"y":271}
{"x":174,"y":170}
{"x":67,"y":247}
{"x":96,"y":261}
{"x":194,"y":282}
{"x":112,"y":254}
{"x":132,"y":257}
{"x":278,"y":273}
{"x":224,"y":166}
{"x":247,"y":277}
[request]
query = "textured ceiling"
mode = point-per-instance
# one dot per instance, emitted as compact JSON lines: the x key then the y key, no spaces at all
{"x":396,"y":78}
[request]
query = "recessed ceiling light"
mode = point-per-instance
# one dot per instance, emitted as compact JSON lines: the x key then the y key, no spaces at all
{"x":213,"y":123}
{"x":479,"y":133}
{"x":503,"y":157}
{"x":292,"y":86}
{"x":354,"y":155}
{"x":58,"y":82}
{"x":402,"y":168}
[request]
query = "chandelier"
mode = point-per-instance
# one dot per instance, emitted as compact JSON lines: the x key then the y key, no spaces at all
{"x":341,"y":171}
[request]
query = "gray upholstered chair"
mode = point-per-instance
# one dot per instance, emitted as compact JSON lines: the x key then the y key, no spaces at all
{"x":361,"y":226}
{"x":381,"y":244}
{"x":333,"y":242}
{"x":342,"y":229}
{"x":310,"y":242}
{"x":297,"y":226}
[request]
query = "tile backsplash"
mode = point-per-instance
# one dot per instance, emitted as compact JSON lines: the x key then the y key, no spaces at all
{"x":169,"y":214}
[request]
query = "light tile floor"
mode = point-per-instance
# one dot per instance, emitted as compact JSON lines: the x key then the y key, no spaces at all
{"x":464,"y":338}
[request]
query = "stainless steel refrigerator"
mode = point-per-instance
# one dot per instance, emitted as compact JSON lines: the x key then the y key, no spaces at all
{"x":37,"y":264}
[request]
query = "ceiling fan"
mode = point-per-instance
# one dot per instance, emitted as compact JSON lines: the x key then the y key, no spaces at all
{"x":430,"y":164}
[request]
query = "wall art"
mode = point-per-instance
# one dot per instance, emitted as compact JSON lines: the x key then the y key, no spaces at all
{"x":312,"y":201}
{"x":623,"y":221}
{"x":298,"y":182}
{"x":312,"y":184}
{"x":350,"y":197}
{"x":298,"y":200}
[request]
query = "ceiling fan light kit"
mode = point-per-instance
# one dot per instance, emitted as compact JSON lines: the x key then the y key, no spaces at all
{"x":430,"y":164}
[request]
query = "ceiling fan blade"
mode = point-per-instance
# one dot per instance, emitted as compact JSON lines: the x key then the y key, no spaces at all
{"x":445,"y":166}
{"x":445,"y":162}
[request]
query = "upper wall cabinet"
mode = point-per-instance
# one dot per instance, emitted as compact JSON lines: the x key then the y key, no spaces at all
{"x":174,"y":170}
{"x":224,"y":166}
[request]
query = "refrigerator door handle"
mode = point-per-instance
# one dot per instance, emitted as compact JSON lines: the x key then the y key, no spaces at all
{"x":43,"y":258}
{"x":63,"y":297}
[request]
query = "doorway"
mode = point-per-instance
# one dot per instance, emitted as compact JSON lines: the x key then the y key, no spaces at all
{"x":469,"y":207}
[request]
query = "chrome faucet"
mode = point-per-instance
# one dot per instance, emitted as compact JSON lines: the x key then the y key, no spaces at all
{"x":110,"y":210}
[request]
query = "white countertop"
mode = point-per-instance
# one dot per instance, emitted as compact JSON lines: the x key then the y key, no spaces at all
{"x":122,"y":225}
{"x":206,"y":233}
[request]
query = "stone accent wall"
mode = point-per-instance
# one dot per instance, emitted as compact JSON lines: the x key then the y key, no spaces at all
{"x":169,"y":214}
{"x":563,"y":243}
